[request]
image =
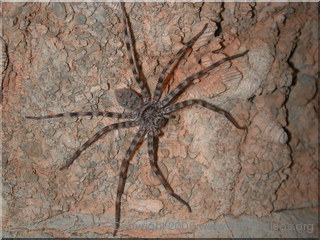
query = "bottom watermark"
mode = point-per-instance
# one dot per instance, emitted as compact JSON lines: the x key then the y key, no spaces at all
{"x":298,"y":227}
{"x":181,"y":225}
{"x":152,"y":226}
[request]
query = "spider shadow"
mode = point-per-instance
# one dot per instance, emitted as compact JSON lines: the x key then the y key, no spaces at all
{"x":156,"y":147}
{"x":170,"y":73}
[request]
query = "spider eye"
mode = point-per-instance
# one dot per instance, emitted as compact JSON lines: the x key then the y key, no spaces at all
{"x":159,"y":121}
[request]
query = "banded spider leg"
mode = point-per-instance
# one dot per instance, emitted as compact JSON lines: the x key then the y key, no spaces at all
{"x":177,"y":90}
{"x":123,"y":175}
{"x":132,"y":56}
{"x":99,"y":134}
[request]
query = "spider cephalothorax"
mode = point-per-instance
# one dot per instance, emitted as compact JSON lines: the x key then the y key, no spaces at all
{"x":150,"y":113}
{"x":151,"y":116}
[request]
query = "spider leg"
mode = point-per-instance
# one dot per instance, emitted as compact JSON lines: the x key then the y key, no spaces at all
{"x":95,"y":137}
{"x":81,"y":114}
{"x":155,"y":168}
{"x":123,"y":175}
{"x":132,"y":56}
{"x":202,"y":103}
{"x":176,"y":91}
{"x":157,"y":92}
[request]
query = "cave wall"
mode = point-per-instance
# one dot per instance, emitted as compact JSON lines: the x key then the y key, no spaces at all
{"x":64,"y":57}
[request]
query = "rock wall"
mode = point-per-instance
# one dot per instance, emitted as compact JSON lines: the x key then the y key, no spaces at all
{"x":64,"y":57}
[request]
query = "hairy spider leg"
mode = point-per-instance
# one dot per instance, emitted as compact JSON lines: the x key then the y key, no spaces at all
{"x":123,"y":175}
{"x":82,"y":114}
{"x":157,"y":91}
{"x":155,"y":168}
{"x":205,"y":104}
{"x":176,"y":91}
{"x":98,"y":135}
{"x":132,"y":56}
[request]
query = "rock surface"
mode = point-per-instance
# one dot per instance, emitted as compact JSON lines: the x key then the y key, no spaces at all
{"x":64,"y":57}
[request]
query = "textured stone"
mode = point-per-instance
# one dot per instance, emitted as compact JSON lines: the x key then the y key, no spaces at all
{"x":33,"y":149}
{"x":287,"y":224}
{"x":59,"y":10}
{"x":149,"y":205}
{"x":80,"y":19}
{"x":53,"y":64}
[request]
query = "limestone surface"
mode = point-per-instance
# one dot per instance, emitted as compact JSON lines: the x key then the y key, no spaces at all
{"x":65,"y":57}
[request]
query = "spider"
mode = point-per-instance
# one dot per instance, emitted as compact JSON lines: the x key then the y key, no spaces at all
{"x":149,"y":113}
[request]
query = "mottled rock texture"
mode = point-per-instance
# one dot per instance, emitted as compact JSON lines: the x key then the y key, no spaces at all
{"x":62,"y":57}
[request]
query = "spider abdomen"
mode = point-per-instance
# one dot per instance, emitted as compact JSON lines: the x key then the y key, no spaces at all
{"x":128,"y":99}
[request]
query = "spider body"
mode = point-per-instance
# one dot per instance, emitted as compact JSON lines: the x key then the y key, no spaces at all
{"x":151,"y":117}
{"x":149,"y":113}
